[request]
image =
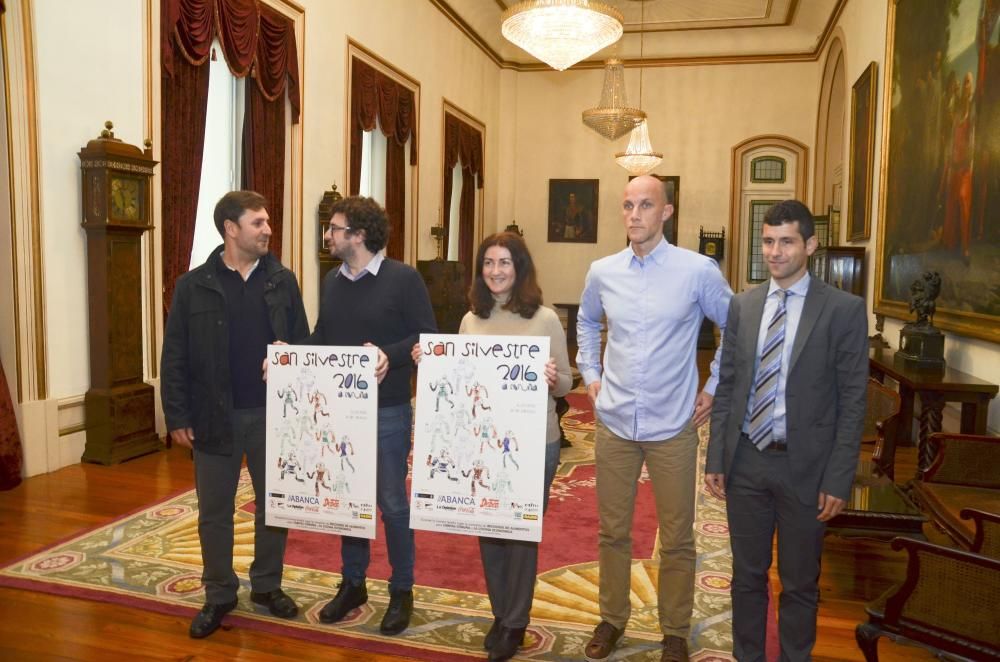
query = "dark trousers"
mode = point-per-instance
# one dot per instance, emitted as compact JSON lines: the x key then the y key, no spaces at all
{"x":393,"y":500}
{"x":759,"y":499}
{"x":511,"y":566}
{"x":216,"y":480}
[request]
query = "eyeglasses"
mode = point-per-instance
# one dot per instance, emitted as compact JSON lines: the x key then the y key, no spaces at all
{"x":336,"y":228}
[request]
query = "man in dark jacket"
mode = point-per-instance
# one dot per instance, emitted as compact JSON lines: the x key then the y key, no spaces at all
{"x":223,"y":316}
{"x":375,"y":300}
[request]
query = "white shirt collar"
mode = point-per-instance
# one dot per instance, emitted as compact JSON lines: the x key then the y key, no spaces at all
{"x":371,"y":268}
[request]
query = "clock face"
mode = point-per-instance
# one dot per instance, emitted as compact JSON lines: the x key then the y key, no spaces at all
{"x":125,"y":199}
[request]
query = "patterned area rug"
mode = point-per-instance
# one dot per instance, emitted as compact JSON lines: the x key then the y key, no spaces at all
{"x":151,"y":559}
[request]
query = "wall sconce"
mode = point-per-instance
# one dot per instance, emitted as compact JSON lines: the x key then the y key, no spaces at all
{"x":513,"y":228}
{"x":439,"y":233}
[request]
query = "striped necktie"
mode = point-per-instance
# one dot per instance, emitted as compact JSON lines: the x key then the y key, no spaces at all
{"x":766,"y":384}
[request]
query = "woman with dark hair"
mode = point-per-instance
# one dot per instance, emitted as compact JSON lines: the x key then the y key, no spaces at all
{"x":505,"y":300}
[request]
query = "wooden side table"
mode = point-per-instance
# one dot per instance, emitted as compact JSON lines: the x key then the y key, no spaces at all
{"x":935,"y":389}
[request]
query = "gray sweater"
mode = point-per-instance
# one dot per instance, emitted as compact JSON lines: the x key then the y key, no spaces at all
{"x":544,"y":323}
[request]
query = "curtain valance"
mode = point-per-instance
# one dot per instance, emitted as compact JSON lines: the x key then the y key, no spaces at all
{"x":253,"y":37}
{"x":463,"y":142}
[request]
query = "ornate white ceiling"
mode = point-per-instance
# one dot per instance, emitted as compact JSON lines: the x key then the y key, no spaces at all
{"x":675,"y":31}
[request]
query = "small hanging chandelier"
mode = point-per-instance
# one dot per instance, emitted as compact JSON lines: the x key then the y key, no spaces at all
{"x":560,"y":33}
{"x":613,"y":117}
{"x":639,"y":157}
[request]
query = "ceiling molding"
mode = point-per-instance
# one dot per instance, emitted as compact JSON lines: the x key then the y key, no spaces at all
{"x":467,"y":30}
{"x":811,"y":55}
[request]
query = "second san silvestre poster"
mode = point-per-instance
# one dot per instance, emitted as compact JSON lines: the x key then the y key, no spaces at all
{"x":479,"y":435}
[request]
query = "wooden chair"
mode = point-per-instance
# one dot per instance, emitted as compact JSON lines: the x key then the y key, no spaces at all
{"x":947,"y":603}
{"x":964,"y":477}
{"x":881,"y":421}
{"x":987,"y":538}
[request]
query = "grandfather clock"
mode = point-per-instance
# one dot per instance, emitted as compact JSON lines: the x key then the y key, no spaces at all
{"x":117,"y":210}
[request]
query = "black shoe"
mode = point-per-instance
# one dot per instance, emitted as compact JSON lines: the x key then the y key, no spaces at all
{"x":397,"y":616}
{"x":209,"y":619}
{"x":277,"y":602}
{"x":348,"y":597}
{"x":491,"y":636}
{"x":507,"y":643}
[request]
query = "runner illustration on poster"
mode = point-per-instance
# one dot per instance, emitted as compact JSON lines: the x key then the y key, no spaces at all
{"x":322,"y":411}
{"x":480,"y":434}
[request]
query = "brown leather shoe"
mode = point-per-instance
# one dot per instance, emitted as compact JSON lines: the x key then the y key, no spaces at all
{"x":675,"y":649}
{"x":605,"y":638}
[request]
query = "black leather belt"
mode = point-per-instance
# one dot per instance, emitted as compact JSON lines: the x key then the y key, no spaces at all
{"x":776,"y":446}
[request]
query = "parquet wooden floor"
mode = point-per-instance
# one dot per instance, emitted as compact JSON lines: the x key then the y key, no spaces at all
{"x":44,"y":509}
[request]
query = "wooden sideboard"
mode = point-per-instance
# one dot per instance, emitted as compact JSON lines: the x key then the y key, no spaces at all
{"x":445,"y":281}
{"x":934,"y":389}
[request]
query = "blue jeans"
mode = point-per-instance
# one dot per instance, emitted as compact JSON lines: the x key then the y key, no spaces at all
{"x":393,"y":501}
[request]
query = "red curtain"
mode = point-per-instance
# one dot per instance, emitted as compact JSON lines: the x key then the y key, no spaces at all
{"x":238,"y":22}
{"x":264,"y":156}
{"x":277,"y":64}
{"x":184,"y":101}
{"x":376,"y":95}
{"x":11,"y":457}
{"x":255,"y":39}
{"x":264,"y":121}
{"x":10,"y":441}
{"x":463,"y":143}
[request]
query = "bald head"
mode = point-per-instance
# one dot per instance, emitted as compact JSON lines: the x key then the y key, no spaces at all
{"x":644,"y":211}
{"x":649,"y":185}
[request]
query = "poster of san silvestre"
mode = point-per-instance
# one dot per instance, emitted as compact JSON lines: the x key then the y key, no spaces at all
{"x":479,"y":437}
{"x":322,"y":413}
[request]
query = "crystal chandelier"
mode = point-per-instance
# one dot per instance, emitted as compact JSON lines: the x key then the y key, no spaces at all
{"x":561,"y":32}
{"x":639,"y":157}
{"x":613,"y":117}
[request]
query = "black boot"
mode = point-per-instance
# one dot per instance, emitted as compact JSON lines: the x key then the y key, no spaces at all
{"x":492,"y":634}
{"x":348,"y":597}
{"x":507,"y":643}
{"x":209,"y":618}
{"x":397,"y":615}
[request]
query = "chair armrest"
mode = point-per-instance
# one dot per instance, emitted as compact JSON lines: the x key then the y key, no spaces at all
{"x":987,"y":540}
{"x":946,"y":592}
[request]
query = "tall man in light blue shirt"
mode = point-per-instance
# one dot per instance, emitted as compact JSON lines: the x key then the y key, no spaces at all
{"x":654,"y":296}
{"x":786,"y":431}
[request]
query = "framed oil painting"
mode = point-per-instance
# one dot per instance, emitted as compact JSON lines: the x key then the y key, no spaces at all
{"x":573,"y":210}
{"x":672,"y":189}
{"x":859,"y":203}
{"x":940,"y":178}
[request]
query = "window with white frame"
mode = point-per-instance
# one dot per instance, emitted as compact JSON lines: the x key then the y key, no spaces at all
{"x":373,"y":150}
{"x":457,"y":177}
{"x":768,"y":177}
{"x":221,"y":158}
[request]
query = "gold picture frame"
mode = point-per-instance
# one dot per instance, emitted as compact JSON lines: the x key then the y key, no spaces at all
{"x":927,"y":220}
{"x":864,"y":97}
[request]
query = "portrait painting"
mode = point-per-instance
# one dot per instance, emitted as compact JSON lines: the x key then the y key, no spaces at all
{"x":573,"y":210}
{"x":859,"y":206}
{"x":941,"y":162}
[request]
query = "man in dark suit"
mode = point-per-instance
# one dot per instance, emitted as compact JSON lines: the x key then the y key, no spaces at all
{"x":786,"y":430}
